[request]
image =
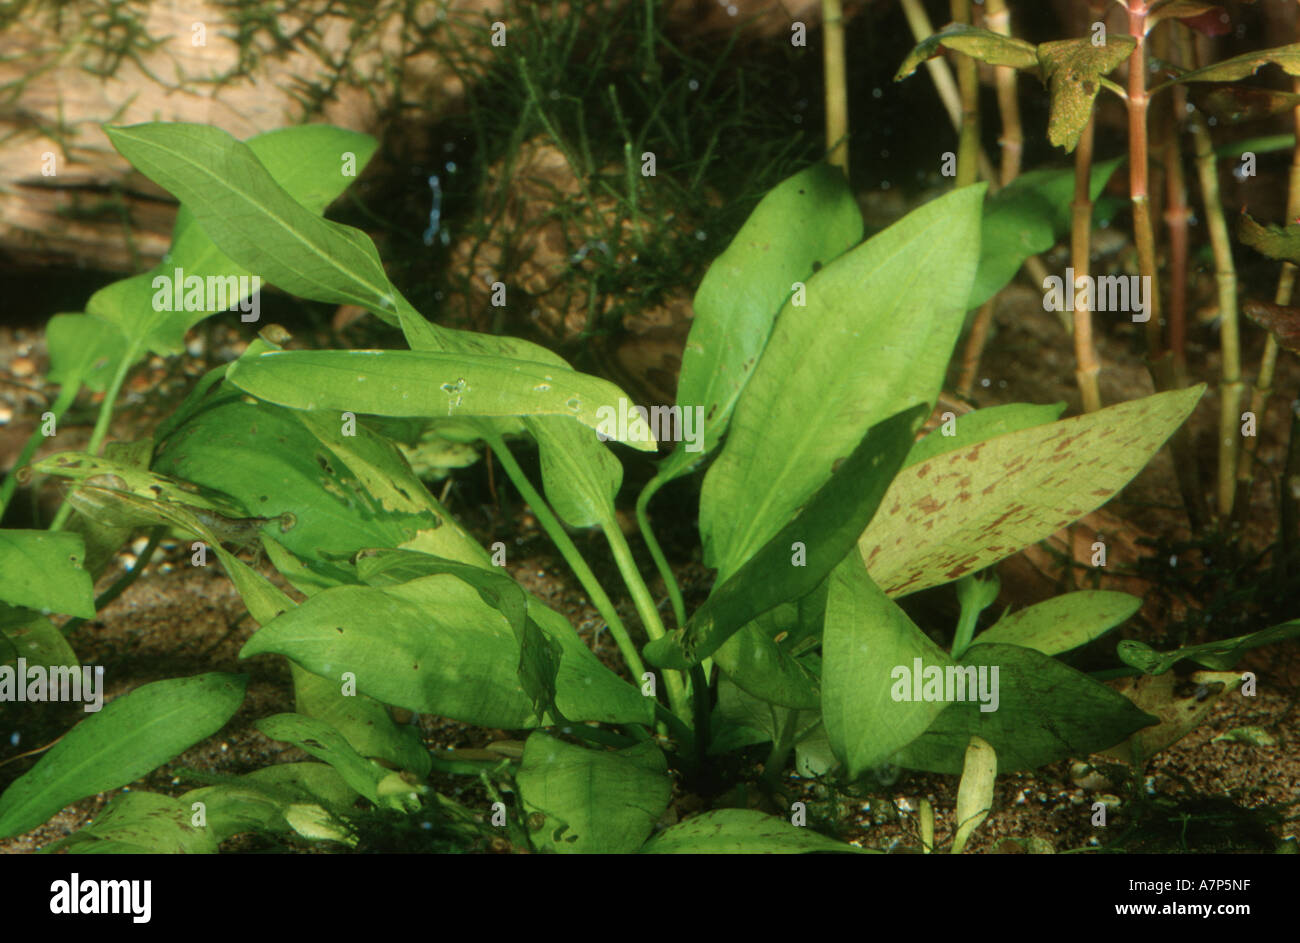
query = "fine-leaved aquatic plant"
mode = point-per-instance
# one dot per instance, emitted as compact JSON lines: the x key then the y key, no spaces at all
{"x":813,"y":359}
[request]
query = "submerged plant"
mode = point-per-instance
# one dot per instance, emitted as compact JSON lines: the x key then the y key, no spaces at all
{"x":812,"y":362}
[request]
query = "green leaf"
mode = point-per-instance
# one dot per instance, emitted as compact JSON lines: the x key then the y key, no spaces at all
{"x":1221,"y":655}
{"x":866,"y":639}
{"x":982,"y":424}
{"x":39,"y":642}
{"x":274,"y":462}
{"x":426,"y":383}
{"x":980,"y":44}
{"x":592,"y":801}
{"x":963,"y":511}
{"x":801,"y":225}
{"x":540,"y":656}
{"x":1026,"y":217}
{"x":129,"y":738}
{"x":43,"y":571}
{"x":363,"y":721}
{"x":322,"y":741}
{"x":1063,"y":622}
{"x":84,"y":350}
{"x":433,"y":645}
{"x":579,"y":474}
{"x":107,"y":474}
{"x":230,"y":810}
{"x":318,"y":782}
{"x":264,"y":601}
{"x":141,"y":823}
{"x":1045,"y":711}
{"x":740,"y":831}
{"x":1276,"y":242}
{"x":1239,"y":67}
{"x":1072,"y":69}
{"x":764,"y":668}
{"x":874,"y":339}
{"x":795,"y":560}
{"x":252,"y":219}
{"x":303,"y":160}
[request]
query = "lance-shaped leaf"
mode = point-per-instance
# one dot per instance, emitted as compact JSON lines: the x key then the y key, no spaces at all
{"x":84,"y":349}
{"x":1238,"y":67}
{"x":981,"y":424}
{"x":136,"y":823}
{"x":107,"y":473}
{"x":539,"y":656}
{"x":743,"y":832}
{"x":253,"y":220}
{"x":981,"y":44}
{"x":868,"y":712}
{"x":965,"y":510}
{"x":432,"y":645}
{"x":1072,"y":69}
{"x":37,"y":640}
{"x":580,"y":478}
{"x":44,"y":571}
{"x":824,"y":529}
{"x":1221,"y":655}
{"x":1063,"y":622}
{"x":366,"y":723}
{"x":592,"y":801}
{"x":305,"y":162}
{"x":322,"y":741}
{"x":426,"y":384}
{"x":874,"y":338}
{"x":1042,"y":711}
{"x":798,"y":227}
{"x":129,"y":738}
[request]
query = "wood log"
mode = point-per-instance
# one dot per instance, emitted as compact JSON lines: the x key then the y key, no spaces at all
{"x":69,"y":200}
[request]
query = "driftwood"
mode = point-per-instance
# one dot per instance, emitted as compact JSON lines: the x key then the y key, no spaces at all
{"x":68,"y":199}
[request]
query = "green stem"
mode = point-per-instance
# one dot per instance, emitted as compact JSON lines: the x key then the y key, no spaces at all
{"x":101,"y":422}
{"x":968,"y":143}
{"x":781,"y":747}
{"x":571,"y":554}
{"x":656,"y":552}
{"x":678,"y":695}
{"x":67,"y":394}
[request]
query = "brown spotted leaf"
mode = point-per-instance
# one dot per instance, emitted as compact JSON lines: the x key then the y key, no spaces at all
{"x":1072,"y":69}
{"x":1282,"y":320}
{"x":1232,"y":103}
{"x":964,"y":510}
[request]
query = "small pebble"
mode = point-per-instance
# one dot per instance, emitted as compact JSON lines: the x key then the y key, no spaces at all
{"x":22,"y":367}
